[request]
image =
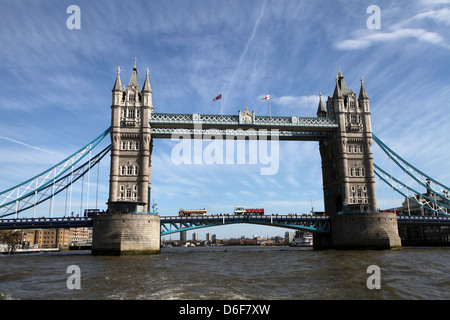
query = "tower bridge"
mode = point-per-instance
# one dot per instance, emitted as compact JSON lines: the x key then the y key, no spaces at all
{"x":342,"y":128}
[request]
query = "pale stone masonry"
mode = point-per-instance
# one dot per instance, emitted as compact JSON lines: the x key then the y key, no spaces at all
{"x":347,"y":159}
{"x":131,"y":146}
{"x":123,"y":230}
{"x":348,"y":176}
{"x":121,"y":234}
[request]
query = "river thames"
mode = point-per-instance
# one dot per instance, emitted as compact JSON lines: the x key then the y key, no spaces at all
{"x":229,"y":273}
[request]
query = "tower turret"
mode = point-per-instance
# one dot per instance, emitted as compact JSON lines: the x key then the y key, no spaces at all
{"x":321,"y":112}
{"x":117,"y":89}
{"x":134,"y":78}
{"x":147,"y":92}
{"x":363,"y":98}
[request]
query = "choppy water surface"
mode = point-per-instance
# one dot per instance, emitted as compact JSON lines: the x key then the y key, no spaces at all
{"x":230,"y":273}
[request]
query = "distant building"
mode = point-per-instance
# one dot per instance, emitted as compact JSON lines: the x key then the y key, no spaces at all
{"x":183,"y":236}
{"x":54,"y":238}
{"x":432,"y":200}
{"x":289,"y":236}
{"x":80,"y":235}
{"x":302,"y":239}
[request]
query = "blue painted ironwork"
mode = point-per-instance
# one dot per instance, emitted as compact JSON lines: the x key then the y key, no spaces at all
{"x":200,"y":126}
{"x":423,"y":179}
{"x":233,"y":120}
{"x":441,"y":220}
{"x":35,"y":190}
{"x":302,"y":222}
{"x":438,"y":207}
{"x":440,"y":204}
{"x":46,"y":223}
{"x":170,"y":225}
{"x":431,"y":204}
{"x":48,"y":191}
{"x":257,"y":134}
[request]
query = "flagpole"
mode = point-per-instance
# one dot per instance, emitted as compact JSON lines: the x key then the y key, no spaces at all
{"x":267,"y":97}
{"x":219,"y":97}
{"x":270,"y":108}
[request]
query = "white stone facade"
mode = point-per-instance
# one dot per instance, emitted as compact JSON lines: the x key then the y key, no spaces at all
{"x":131,"y":144}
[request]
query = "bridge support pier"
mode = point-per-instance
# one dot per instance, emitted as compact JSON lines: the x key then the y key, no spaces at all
{"x":121,"y":234}
{"x":365,"y":230}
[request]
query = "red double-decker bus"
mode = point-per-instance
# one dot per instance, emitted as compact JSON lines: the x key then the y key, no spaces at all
{"x":246,"y":211}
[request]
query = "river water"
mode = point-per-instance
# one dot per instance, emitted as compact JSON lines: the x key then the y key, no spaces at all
{"x":216,"y":273}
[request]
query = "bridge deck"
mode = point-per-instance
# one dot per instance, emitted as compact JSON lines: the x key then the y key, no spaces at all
{"x":171,"y":224}
{"x":305,"y":222}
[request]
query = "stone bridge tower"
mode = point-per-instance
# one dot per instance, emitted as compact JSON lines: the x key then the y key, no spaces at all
{"x":348,"y":176}
{"x":131,"y":146}
{"x":117,"y":232}
{"x":347,"y":160}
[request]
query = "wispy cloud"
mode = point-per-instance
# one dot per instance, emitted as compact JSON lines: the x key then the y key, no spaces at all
{"x":247,"y":44}
{"x":434,"y":2}
{"x":439,"y":16}
{"x":368,"y":40}
{"x":297,"y":101}
{"x":407,"y":29}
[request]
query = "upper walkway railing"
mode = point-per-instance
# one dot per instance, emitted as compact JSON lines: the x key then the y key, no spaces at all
{"x":201,"y":126}
{"x":309,"y":123}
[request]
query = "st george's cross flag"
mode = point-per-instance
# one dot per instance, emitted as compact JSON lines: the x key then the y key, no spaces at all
{"x":266,"y":97}
{"x":218,"y":97}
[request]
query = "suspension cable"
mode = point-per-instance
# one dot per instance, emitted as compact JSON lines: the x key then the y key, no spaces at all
{"x":42,"y":194}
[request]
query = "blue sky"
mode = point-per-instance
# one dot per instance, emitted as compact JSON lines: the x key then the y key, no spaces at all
{"x":55,"y":86}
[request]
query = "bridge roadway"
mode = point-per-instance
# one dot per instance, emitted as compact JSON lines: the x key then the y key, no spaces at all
{"x":306,"y":222}
{"x":173,"y":224}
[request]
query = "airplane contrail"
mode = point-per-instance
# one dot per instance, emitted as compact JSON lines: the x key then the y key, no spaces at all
{"x":29,"y":146}
{"x":252,"y":36}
